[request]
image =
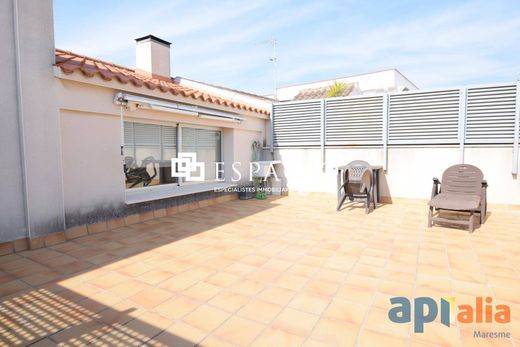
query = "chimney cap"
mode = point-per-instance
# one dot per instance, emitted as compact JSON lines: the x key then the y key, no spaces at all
{"x":153,"y":38}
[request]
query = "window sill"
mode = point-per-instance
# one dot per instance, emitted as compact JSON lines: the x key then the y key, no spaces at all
{"x":137,"y":195}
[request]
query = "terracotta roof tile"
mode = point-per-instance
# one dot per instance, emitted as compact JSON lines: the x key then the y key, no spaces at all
{"x":70,"y":62}
{"x":320,"y":93}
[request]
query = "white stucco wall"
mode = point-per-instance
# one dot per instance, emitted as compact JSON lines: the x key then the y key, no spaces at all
{"x":409,"y":173}
{"x":92,"y":166}
{"x":32,"y":206}
{"x":12,"y":212}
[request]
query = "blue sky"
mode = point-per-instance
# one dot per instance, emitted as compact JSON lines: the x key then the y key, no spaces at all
{"x":433,"y":43}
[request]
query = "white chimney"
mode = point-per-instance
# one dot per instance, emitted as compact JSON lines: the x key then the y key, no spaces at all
{"x":152,"y":55}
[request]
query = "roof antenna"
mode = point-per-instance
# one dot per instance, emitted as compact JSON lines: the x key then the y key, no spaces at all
{"x":274,"y":59}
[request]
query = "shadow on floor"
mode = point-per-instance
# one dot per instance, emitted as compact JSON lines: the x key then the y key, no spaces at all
{"x":36,"y":307}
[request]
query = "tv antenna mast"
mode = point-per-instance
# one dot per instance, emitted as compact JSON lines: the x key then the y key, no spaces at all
{"x":274,"y":59}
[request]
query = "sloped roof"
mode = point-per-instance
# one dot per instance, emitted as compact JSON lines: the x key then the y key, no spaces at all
{"x":320,"y":92}
{"x":70,"y":62}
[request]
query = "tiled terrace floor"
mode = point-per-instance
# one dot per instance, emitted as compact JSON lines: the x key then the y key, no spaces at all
{"x":282,"y":272}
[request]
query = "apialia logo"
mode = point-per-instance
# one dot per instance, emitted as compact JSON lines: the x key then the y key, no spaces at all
{"x":426,"y":310}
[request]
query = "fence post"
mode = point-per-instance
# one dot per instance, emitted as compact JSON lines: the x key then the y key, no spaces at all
{"x":322,"y":133}
{"x":462,"y":122}
{"x":517,"y":130}
{"x":386,"y":102}
{"x":271,"y":130}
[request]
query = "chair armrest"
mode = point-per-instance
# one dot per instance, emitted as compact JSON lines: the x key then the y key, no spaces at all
{"x":435,"y":187}
{"x":483,"y":200}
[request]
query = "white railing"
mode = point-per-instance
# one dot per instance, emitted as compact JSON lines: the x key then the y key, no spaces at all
{"x":484,"y":114}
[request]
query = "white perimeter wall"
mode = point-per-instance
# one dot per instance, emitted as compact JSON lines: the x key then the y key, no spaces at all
{"x":409,"y":173}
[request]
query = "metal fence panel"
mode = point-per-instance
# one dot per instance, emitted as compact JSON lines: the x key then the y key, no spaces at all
{"x":472,"y":115}
{"x":490,"y":114}
{"x":297,"y":124}
{"x":352,"y":121}
{"x":424,"y":117}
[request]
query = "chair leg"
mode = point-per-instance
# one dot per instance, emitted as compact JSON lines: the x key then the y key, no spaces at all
{"x":341,"y":201}
{"x":482,"y":215}
{"x":471,"y":221}
{"x":367,"y":204}
{"x":430,"y":217}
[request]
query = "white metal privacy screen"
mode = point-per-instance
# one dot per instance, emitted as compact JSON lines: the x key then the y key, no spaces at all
{"x":488,"y":114}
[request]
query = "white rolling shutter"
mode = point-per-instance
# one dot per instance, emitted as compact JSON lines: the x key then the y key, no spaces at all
{"x":424,"y":117}
{"x":490,"y":116}
{"x":129,"y":134}
{"x":148,"y":135}
{"x":140,"y":135}
{"x":297,"y":124}
{"x":354,"y":121}
{"x":196,"y":138}
{"x":169,"y":136}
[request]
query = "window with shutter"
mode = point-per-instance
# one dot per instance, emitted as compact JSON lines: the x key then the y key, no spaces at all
{"x":144,"y":141}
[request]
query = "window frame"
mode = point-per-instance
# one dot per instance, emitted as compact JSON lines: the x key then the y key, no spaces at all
{"x":179,"y":145}
{"x":175,"y":188}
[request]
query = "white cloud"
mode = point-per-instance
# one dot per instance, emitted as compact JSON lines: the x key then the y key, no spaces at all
{"x":221,"y":42}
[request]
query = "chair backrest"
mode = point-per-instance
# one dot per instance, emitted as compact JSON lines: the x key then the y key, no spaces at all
{"x":462,"y":179}
{"x":357,"y":169}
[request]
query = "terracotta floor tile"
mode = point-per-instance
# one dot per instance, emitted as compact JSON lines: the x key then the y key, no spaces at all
{"x":177,"y":307}
{"x":12,"y":287}
{"x":239,"y":331}
{"x":108,"y":280}
{"x":254,"y":260}
{"x":355,"y":294}
{"x":295,"y":322}
{"x":438,"y":333}
{"x":247,"y":287}
{"x":260,"y":311}
{"x":145,"y":326}
{"x":151,"y":297}
{"x":318,"y":287}
{"x":335,"y":333}
{"x":277,"y":337}
{"x":263,"y":275}
{"x":277,"y":295}
{"x":178,"y":283}
{"x":277,"y":265}
{"x":128,"y":288}
{"x":239,"y":269}
{"x":206,"y":318}
{"x":377,"y":319}
{"x":222,"y":279}
{"x":202,"y":291}
{"x":347,"y":311}
{"x":291,"y":281}
{"x":315,"y":343}
{"x":81,"y":334}
{"x":179,"y":335}
{"x":310,"y":303}
{"x":229,"y":301}
{"x":155,"y":277}
{"x":396,"y":288}
{"x":370,"y":338}
{"x":214,"y":341}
